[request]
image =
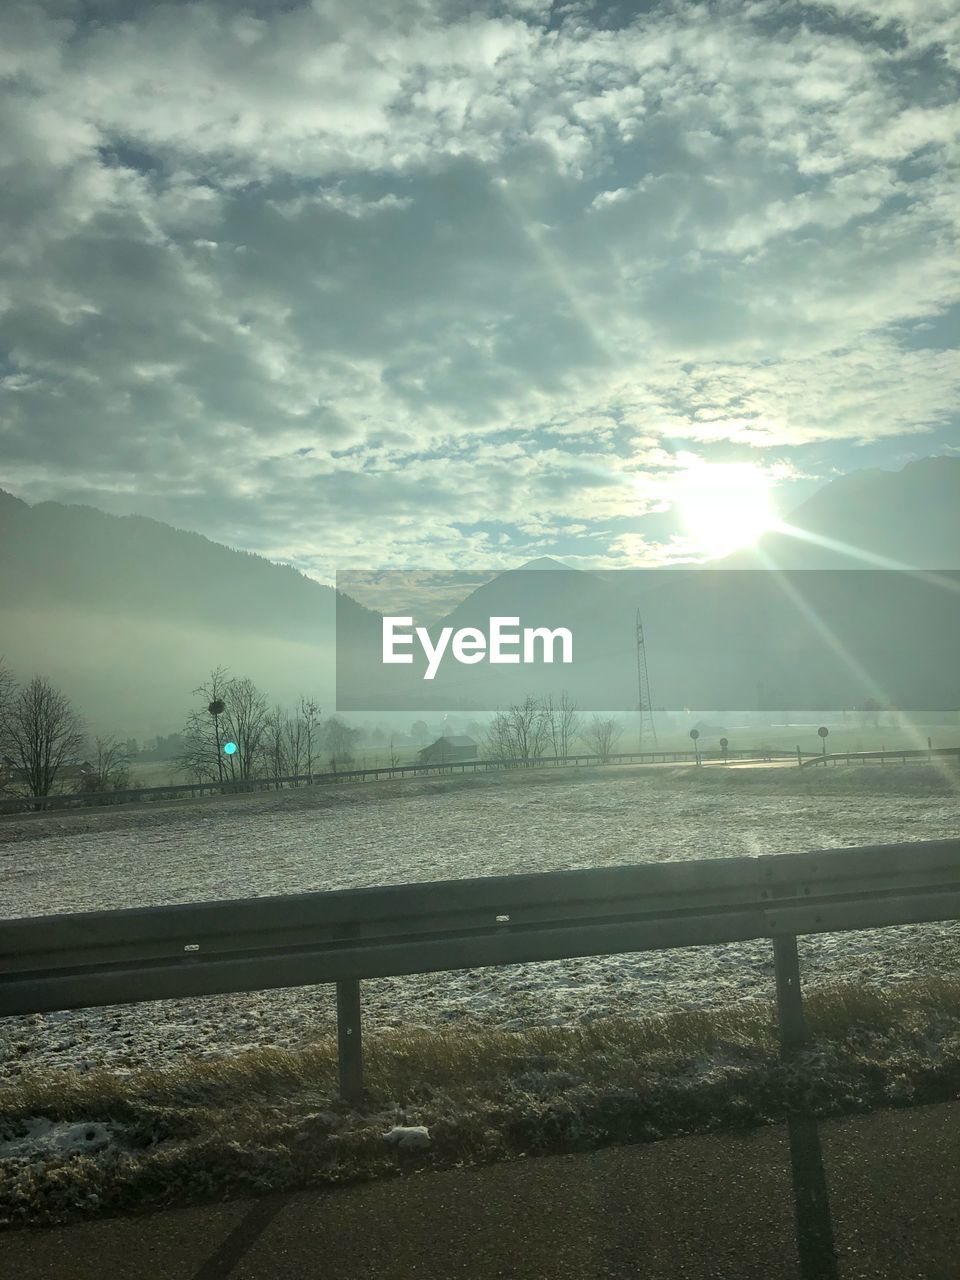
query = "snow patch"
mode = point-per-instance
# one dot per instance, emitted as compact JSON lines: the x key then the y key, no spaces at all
{"x":44,"y":1138}
{"x":410,"y":1136}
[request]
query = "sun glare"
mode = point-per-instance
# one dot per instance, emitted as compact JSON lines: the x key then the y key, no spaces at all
{"x":725,"y":506}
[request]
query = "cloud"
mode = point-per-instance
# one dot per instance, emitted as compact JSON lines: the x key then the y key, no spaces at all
{"x":374,"y":283}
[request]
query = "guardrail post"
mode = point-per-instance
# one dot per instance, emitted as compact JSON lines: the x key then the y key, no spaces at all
{"x":349,"y":1043}
{"x":786,"y":965}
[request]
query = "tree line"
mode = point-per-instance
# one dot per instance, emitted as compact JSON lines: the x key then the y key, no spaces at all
{"x":549,"y":726}
{"x":43,"y":739}
{"x":233,"y":734}
{"x":270,"y":741}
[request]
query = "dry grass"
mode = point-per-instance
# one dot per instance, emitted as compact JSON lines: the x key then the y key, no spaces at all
{"x":272,"y":1120}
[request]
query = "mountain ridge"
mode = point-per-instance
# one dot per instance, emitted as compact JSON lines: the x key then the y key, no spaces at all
{"x":909,"y":517}
{"x":187,"y":603}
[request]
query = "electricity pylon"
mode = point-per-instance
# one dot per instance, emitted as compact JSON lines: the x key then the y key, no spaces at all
{"x":644,"y":703}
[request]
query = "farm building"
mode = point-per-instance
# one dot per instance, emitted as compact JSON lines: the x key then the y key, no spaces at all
{"x":9,"y":773}
{"x":447,"y":749}
{"x":81,"y":770}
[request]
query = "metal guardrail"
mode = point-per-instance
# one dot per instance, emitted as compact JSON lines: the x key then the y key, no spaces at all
{"x":197,"y":949}
{"x":175,"y":790}
{"x":894,"y":753}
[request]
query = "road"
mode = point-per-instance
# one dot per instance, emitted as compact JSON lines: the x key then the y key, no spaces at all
{"x":717,"y":1207}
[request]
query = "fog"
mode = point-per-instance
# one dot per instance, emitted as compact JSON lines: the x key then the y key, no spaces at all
{"x":135,"y":676}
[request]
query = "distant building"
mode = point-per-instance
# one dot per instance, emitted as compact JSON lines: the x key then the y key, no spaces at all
{"x":76,"y":770}
{"x":10,"y":773}
{"x":448,"y":749}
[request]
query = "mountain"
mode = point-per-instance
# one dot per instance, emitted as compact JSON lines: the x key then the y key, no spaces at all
{"x":744,"y":640}
{"x":736,"y":640}
{"x":129,"y":615}
{"x":59,"y":555}
{"x":545,"y":562}
{"x":909,"y":518}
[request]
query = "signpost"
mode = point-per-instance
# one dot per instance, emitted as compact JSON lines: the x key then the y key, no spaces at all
{"x":823,"y":732}
{"x":695,"y":734}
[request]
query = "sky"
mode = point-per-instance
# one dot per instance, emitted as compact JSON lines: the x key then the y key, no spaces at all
{"x":423,"y":285}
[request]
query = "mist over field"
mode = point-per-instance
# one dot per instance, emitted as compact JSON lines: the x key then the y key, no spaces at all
{"x":130,"y":615}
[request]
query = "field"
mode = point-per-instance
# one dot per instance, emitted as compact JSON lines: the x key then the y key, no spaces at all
{"x":845,"y":735}
{"x":427,"y":829}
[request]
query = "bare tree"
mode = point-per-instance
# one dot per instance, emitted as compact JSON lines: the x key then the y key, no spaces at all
{"x":563,"y":723}
{"x":111,"y":767}
{"x":339,"y":739}
{"x":571,"y":723}
{"x":311,"y":717}
{"x":293,"y":743}
{"x":496,"y":743}
{"x":245,"y":718}
{"x":275,"y":744}
{"x":603,"y":734}
{"x":519,"y":733}
{"x":529,"y":727}
{"x":199,"y":755}
{"x":394,"y":754}
{"x":43,"y":733}
{"x":242,"y":721}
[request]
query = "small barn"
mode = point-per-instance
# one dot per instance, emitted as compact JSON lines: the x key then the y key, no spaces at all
{"x":82,"y":770}
{"x":448,"y":749}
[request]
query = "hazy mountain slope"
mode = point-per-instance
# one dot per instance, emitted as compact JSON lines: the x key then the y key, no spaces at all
{"x":910,"y":516}
{"x":729,"y":639}
{"x":129,"y":614}
{"x":753,"y":641}
{"x":60,"y":554}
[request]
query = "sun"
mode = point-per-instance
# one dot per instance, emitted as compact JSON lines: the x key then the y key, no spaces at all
{"x":725,"y":506}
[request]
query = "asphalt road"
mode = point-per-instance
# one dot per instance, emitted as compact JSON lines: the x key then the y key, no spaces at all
{"x":719,"y":1207}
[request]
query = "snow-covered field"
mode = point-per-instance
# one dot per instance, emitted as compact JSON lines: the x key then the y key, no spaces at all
{"x":419,"y":830}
